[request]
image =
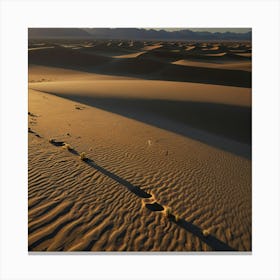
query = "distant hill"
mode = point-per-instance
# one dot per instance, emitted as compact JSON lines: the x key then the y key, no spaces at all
{"x":38,"y":33}
{"x":151,"y":34}
{"x":134,"y":34}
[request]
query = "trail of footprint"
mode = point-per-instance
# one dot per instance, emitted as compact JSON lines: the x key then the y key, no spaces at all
{"x":209,"y":239}
{"x":33,"y":132}
{"x":151,"y":204}
{"x":135,"y":189}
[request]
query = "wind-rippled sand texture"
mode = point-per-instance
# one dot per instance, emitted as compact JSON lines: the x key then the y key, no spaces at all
{"x":153,"y":179}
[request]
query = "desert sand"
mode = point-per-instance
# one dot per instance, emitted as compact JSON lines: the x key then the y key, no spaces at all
{"x":139,"y":146}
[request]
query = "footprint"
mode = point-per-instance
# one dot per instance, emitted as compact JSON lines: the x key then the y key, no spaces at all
{"x":77,"y":107}
{"x":148,"y":200}
{"x":56,"y":143}
{"x":154,"y":206}
{"x":32,"y":115}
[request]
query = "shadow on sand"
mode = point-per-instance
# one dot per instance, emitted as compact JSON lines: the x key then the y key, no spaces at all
{"x":134,"y":189}
{"x":229,"y":127}
{"x":147,"y":67}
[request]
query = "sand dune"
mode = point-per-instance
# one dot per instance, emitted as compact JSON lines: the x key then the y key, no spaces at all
{"x":196,"y":105}
{"x":39,"y":48}
{"x":216,"y":54}
{"x":148,"y":89}
{"x":214,"y":48}
{"x":244,"y":54}
{"x":104,"y":188}
{"x":118,"y":163}
{"x":60,"y":57}
{"x":131,"y":55}
{"x":154,"y":63}
{"x":230,"y":65}
{"x":152,"y":47}
{"x":189,"y":48}
{"x":37,"y":73}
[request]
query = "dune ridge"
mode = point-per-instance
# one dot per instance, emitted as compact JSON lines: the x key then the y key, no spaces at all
{"x":147,"y":61}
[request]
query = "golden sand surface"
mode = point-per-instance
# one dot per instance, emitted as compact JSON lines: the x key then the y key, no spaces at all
{"x":127,"y":152}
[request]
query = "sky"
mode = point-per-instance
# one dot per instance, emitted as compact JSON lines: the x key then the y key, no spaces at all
{"x":236,"y":30}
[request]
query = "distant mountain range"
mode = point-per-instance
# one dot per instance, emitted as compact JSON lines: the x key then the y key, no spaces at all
{"x":133,"y":34}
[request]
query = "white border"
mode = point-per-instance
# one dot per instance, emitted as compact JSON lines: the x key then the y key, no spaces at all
{"x":262,"y":16}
